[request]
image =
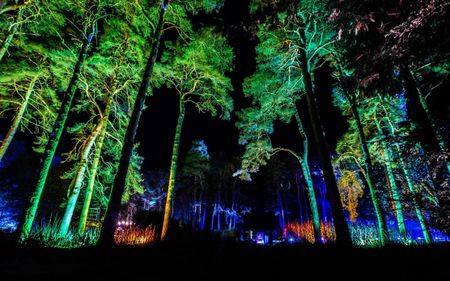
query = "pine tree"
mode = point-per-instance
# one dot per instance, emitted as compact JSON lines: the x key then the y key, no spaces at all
{"x":196,"y":71}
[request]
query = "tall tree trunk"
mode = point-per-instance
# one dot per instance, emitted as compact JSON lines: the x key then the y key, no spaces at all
{"x":390,"y":174}
{"x":194,"y":215}
{"x":340,"y":223}
{"x":438,"y":135}
{"x":309,"y":182}
{"x":383,"y":232}
{"x":423,"y":126}
{"x":236,"y":206}
{"x":93,"y":170}
{"x":299,"y":200}
{"x":200,"y":211}
{"x":109,"y":224}
{"x":55,"y":136}
{"x":213,"y":215}
{"x":173,"y":170}
{"x":12,"y":32}
{"x":219,"y":210}
{"x":78,"y":180}
{"x":281,"y":211}
{"x":17,"y":119}
{"x":233,"y":202}
{"x":411,"y":188}
{"x":204,"y":213}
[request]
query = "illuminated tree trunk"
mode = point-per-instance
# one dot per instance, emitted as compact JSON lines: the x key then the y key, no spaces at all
{"x":173,"y":170}
{"x":299,"y":201}
{"x":93,"y":171}
{"x":411,"y":188}
{"x":200,"y":210}
{"x":280,"y":211}
{"x":12,"y":32}
{"x":203,"y":219}
{"x":219,"y":209}
{"x":340,"y":223}
{"x":236,"y":208}
{"x":78,"y":181}
{"x":195,"y":212}
{"x":390,"y":174}
{"x":55,"y":136}
{"x":369,"y":175}
{"x":309,"y":182}
{"x":17,"y":119}
{"x":109,"y":225}
{"x":213,"y":215}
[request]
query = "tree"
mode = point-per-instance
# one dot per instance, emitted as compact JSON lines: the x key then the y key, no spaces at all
{"x":111,"y":74}
{"x":347,"y":98}
{"x":274,"y":95}
{"x":196,"y":167}
{"x":88,"y":27}
{"x":303,"y":35}
{"x":28,"y":77}
{"x":388,"y":39}
{"x":108,"y":228}
{"x":177,"y":13}
{"x":196,"y":71}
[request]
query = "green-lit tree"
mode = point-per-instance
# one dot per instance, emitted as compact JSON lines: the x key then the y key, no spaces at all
{"x":196,"y":167}
{"x":197,"y":72}
{"x":382,"y":118}
{"x":301,"y":32}
{"x":85,"y":18}
{"x":110,"y":75}
{"x":347,"y":98}
{"x":29,"y":93}
{"x":13,"y":15}
{"x":275,"y":95}
{"x":176,"y":13}
{"x":402,"y":37}
{"x":387,"y":115}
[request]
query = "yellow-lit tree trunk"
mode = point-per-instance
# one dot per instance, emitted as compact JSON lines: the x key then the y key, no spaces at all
{"x":173,"y":170}
{"x":93,"y":171}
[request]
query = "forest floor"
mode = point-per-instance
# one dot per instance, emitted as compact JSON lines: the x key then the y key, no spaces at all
{"x":209,"y":260}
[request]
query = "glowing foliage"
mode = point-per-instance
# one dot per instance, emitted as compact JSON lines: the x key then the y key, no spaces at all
{"x":351,"y":191}
{"x":305,"y":231}
{"x":135,"y":236}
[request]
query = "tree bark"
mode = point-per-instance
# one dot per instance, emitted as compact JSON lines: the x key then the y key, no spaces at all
{"x":281,"y":211}
{"x":369,"y":175}
{"x":340,"y":223}
{"x":299,"y":201}
{"x":17,"y":119}
{"x":12,"y":32}
{"x":78,"y":181}
{"x":173,"y":170}
{"x":409,"y":183}
{"x":93,"y":171}
{"x":109,"y":224}
{"x":309,"y":182}
{"x":394,"y":189}
{"x":55,"y":136}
